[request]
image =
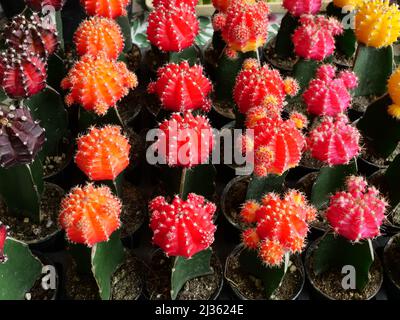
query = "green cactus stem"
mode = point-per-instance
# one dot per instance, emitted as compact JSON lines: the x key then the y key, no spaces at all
{"x":284,"y":47}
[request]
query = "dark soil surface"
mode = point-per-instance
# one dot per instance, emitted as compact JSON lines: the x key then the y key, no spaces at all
{"x":392,"y":260}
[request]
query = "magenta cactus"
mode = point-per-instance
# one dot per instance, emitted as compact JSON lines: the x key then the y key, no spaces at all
{"x":3,"y":237}
{"x":328,"y":94}
{"x":299,"y":7}
{"x":315,"y":37}
{"x":334,"y":141}
{"x":358,"y":212}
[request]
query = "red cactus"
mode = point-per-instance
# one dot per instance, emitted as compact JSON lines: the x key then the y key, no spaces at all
{"x":3,"y":238}
{"x":315,"y":37}
{"x":261,"y":86}
{"x":184,"y":227}
{"x":39,"y":4}
{"x":182,"y":88}
{"x":334,"y":141}
{"x":172,"y":3}
{"x":97,"y":83}
{"x":22,"y":75}
{"x":281,"y":225}
{"x":278,"y":144}
{"x":103,"y":153}
{"x":328,"y":95}
{"x":185,"y":140}
{"x":97,"y":35}
{"x":299,"y":7}
{"x":90,"y":214}
{"x":358,"y":212}
{"x":173,"y":28}
{"x":244,"y":26}
{"x":221,"y":5}
{"x":31,"y":35}
{"x":105,"y":8}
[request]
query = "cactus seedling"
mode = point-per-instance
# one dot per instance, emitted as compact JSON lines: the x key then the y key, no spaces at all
{"x":358,"y":212}
{"x":39,"y":4}
{"x":105,"y":8}
{"x":31,"y":35}
{"x":334,"y":141}
{"x":97,"y":35}
{"x":299,"y":7}
{"x":328,"y":94}
{"x":182,"y":88}
{"x":261,"y":86}
{"x":173,"y":28}
{"x":103,"y":153}
{"x":97,"y":83}
{"x":23,"y":74}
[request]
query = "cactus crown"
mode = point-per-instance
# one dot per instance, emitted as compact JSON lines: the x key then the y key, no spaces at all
{"x":98,"y":83}
{"x":97,"y":35}
{"x":192,"y":134}
{"x":22,"y":75}
{"x":299,"y":7}
{"x":3,"y":238}
{"x":105,"y":8}
{"x":347,"y":3}
{"x":173,"y":28}
{"x":21,"y":137}
{"x":377,"y":23}
{"x":328,"y":94}
{"x":103,"y":153}
{"x":31,"y":35}
{"x":39,"y":4}
{"x":182,"y":88}
{"x":90,"y":214}
{"x":358,"y":212}
{"x":314,"y":38}
{"x":183,"y":227}
{"x":394,"y":92}
{"x":261,"y":86}
{"x":244,"y":26}
{"x":278,"y":144}
{"x":279,"y":225}
{"x":334,"y":140}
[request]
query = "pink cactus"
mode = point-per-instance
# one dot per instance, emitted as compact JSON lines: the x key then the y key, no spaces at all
{"x":328,"y":95}
{"x":300,"y":7}
{"x":183,"y":227}
{"x":3,"y":237}
{"x":358,"y":212}
{"x":334,"y":141}
{"x":315,"y":37}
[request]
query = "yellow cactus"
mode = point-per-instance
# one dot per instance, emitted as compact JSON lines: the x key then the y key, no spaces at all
{"x":377,"y":23}
{"x":394,"y":92}
{"x":351,"y":4}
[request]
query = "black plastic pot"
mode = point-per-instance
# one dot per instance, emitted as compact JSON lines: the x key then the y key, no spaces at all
{"x":237,"y":291}
{"x":392,"y":286}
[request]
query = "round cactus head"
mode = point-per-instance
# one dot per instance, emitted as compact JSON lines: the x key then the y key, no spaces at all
{"x":358,"y":212}
{"x":394,"y":92}
{"x":173,"y":28}
{"x":315,"y":37}
{"x":183,"y":227}
{"x":221,"y":5}
{"x":277,"y":145}
{"x":328,"y":94}
{"x":105,"y":8}
{"x":103,"y":153}
{"x":334,"y":141}
{"x":32,"y":35}
{"x":185,"y":140}
{"x":172,"y":3}
{"x":37,"y":5}
{"x":261,"y":86}
{"x":90,"y":214}
{"x":97,"y":35}
{"x":351,"y":4}
{"x":281,"y":225}
{"x":3,"y":238}
{"x":21,"y":137}
{"x":299,"y":7}
{"x":22,"y":75}
{"x":98,"y":83}
{"x":377,"y":23}
{"x":244,"y":26}
{"x":181,"y":87}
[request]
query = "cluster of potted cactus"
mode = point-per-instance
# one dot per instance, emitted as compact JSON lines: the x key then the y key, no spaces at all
{"x":116,"y":170}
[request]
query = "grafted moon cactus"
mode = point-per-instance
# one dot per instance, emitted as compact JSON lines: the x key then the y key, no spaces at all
{"x":172,"y":3}
{"x":3,"y":238}
{"x":182,"y":227}
{"x":21,"y":137}
{"x":90,"y":214}
{"x":351,"y":4}
{"x":39,"y":4}
{"x":299,"y":7}
{"x":358,"y":212}
{"x":394,"y":92}
{"x":221,"y":5}
{"x":105,"y":8}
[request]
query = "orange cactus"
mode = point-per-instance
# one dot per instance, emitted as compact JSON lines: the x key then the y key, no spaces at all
{"x":90,"y":214}
{"x":97,"y":35}
{"x":97,"y":83}
{"x":105,"y":8}
{"x":103,"y":153}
